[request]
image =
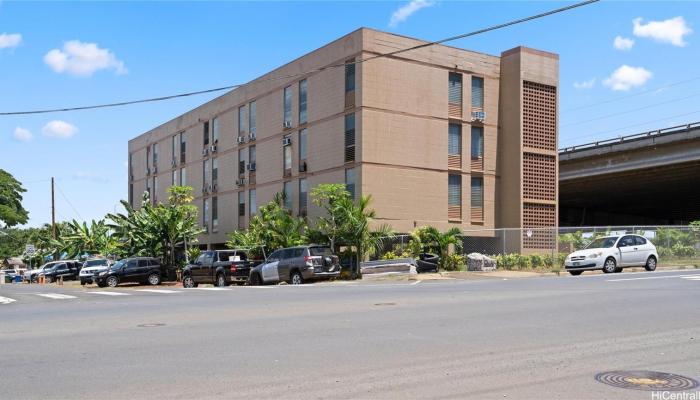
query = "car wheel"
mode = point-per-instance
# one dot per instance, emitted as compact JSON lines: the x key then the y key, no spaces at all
{"x":82,"y":282}
{"x":154,"y":279}
{"x":610,"y":265}
{"x":296,"y":278}
{"x":651,"y":263}
{"x":112,"y":281}
{"x":48,"y":279}
{"x":188,"y":282}
{"x":254,"y":280}
{"x":220,"y":280}
{"x":101,"y":285}
{"x":575,"y":273}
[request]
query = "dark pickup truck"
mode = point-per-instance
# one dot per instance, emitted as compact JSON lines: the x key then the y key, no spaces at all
{"x":220,"y":267}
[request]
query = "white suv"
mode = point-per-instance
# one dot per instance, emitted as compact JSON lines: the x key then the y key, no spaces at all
{"x":612,"y":254}
{"x":91,"y":268}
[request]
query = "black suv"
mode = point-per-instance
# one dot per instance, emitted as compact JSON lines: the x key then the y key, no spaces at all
{"x":136,"y":269}
{"x":67,"y":269}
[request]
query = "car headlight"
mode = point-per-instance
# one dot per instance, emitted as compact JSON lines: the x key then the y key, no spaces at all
{"x":595,"y":255}
{"x":103,"y":273}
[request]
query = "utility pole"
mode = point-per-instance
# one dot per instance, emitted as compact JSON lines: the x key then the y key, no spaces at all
{"x":53,"y":212}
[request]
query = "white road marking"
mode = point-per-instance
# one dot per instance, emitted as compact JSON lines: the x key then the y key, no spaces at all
{"x":415,"y":283}
{"x":652,"y":277}
{"x":6,"y":300}
{"x":56,"y":296}
{"x":692,"y":278}
{"x":209,"y":288}
{"x":110,"y":293}
{"x":158,"y":291}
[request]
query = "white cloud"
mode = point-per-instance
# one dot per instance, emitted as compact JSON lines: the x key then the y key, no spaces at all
{"x":82,"y":59}
{"x":622,"y":43}
{"x":626,"y":77}
{"x":10,"y":40}
{"x":23,"y":135}
{"x":90,"y":176}
{"x":585,"y":84}
{"x":59,"y":129}
{"x":668,"y":31}
{"x":405,"y":11}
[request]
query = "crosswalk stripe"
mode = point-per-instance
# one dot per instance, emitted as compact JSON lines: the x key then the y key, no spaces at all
{"x":56,"y":296}
{"x":210,"y":288}
{"x":6,"y":300}
{"x":692,"y":278}
{"x":110,"y":293}
{"x":158,"y":291}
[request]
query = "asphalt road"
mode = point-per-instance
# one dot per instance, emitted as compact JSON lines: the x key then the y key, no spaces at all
{"x":535,"y":338}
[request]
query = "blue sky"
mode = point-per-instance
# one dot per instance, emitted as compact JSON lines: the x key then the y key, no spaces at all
{"x":69,"y":54}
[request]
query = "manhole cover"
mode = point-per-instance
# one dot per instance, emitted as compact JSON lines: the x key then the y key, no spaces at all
{"x":384,"y":304}
{"x":646,"y":380}
{"x":150,"y":325}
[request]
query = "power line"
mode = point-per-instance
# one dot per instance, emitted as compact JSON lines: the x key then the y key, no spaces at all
{"x":632,"y":95}
{"x":69,"y":203}
{"x":628,"y":111}
{"x":315,"y":70}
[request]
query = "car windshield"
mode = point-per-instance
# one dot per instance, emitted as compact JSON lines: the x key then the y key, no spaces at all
{"x":118,"y":265}
{"x":320,"y":251}
{"x":95,"y":263}
{"x":602,"y":243}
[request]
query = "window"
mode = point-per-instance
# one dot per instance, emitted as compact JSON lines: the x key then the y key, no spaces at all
{"x":288,"y":105}
{"x":252,"y":117}
{"x":148,"y":159}
{"x":454,"y":141}
{"x":241,"y":120}
{"x":455,"y":88}
{"x":183,"y":177}
{"x":214,"y":170}
{"x":302,"y":101}
{"x":155,"y":188}
{"x":454,"y":190}
{"x":148,"y":187}
{"x":639,"y":241}
{"x":349,"y":76}
{"x":173,"y":149}
{"x":477,"y":192}
{"x":215,"y":131}
{"x":241,"y":161}
{"x":155,"y":156}
{"x":303,"y":196}
{"x":350,"y":138}
{"x":252,"y":155}
{"x":241,"y":203}
{"x":183,"y":146}
{"x":205,"y":167}
{"x":173,"y":181}
{"x":477,"y":92}
{"x":477,"y":142}
{"x":302,"y":144}
{"x":287,"y":191}
{"x":287,"y":150}
{"x":350,"y":181}
{"x":131,"y":194}
{"x":131,"y":167}
{"x":214,"y":214}
{"x":205,"y":215}
{"x":252,"y":202}
{"x":205,"y":133}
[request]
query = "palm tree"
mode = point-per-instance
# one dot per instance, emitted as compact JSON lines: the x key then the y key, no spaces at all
{"x":79,"y":239}
{"x":427,"y":237}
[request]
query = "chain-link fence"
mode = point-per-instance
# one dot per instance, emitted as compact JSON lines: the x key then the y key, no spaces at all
{"x":676,"y":245}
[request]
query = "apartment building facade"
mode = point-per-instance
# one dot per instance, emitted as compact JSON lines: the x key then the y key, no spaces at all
{"x":437,"y":136}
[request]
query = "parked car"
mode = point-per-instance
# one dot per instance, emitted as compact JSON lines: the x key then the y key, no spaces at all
{"x":66,"y":270}
{"x":220,"y":267}
{"x":136,"y":269}
{"x":69,"y":269}
{"x":296,"y":265}
{"x":427,"y":262}
{"x":91,"y":268}
{"x":612,"y":254}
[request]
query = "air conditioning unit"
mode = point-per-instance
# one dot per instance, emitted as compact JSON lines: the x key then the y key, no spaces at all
{"x":205,"y":151}
{"x":251,"y":136}
{"x":478,"y":116}
{"x":206,"y":228}
{"x":173,"y":162}
{"x":214,"y":188}
{"x":287,"y":124}
{"x":251,"y":167}
{"x":148,"y":171}
{"x":286,"y":141}
{"x":205,"y":189}
{"x":214,"y":148}
{"x":240,"y":182}
{"x":241,"y":139}
{"x":302,"y":166}
{"x":155,"y":169}
{"x":131,"y":177}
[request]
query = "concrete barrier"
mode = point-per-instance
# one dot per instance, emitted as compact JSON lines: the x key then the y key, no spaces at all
{"x":399,"y":265}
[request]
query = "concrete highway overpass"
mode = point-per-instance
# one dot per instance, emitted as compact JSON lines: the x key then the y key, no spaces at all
{"x":648,"y":178}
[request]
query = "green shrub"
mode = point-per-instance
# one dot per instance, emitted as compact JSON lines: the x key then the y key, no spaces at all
{"x":455,"y":262}
{"x":524,"y":262}
{"x":507,"y":261}
{"x":536,"y":260}
{"x":680,"y":250}
{"x":664,"y":252}
{"x":548,"y":260}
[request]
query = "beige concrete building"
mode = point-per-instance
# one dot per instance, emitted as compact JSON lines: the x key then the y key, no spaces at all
{"x":437,"y":136}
